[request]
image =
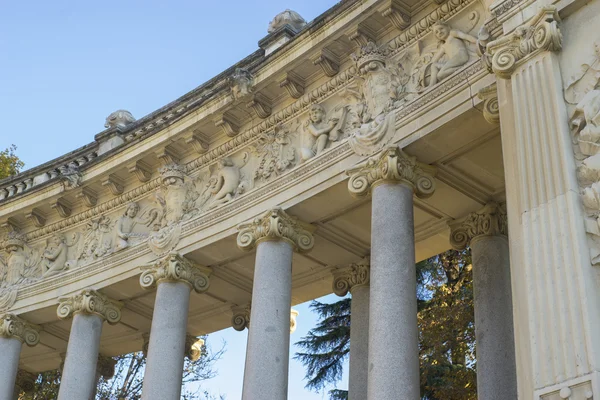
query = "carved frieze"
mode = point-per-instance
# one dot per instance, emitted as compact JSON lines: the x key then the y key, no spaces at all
{"x":225,"y":184}
{"x":491,"y":220}
{"x":14,"y":327}
{"x":392,"y":164}
{"x":344,"y":279}
{"x":275,"y":224}
{"x":540,"y":34}
{"x":176,"y":268}
{"x":90,"y":301}
{"x":319,"y":130}
{"x":274,"y":152}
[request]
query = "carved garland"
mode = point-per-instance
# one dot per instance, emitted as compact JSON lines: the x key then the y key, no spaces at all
{"x":90,"y":301}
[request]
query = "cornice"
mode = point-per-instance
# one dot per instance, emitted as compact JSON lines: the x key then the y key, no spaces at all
{"x":176,"y":268}
{"x":391,"y":165}
{"x":276,"y":224}
{"x":491,"y":220}
{"x":14,"y":327}
{"x":541,"y":33}
{"x":90,"y":301}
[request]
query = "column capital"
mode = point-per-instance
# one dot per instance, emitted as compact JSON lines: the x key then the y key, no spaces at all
{"x":276,"y":224}
{"x":90,"y":301}
{"x":176,"y":268}
{"x":345,"y":279}
{"x":491,"y":220}
{"x":193,"y":347}
{"x":106,"y":366}
{"x":25,"y":381}
{"x":541,"y":33}
{"x":13,"y":327}
{"x":240,"y":318}
{"x":391,"y":165}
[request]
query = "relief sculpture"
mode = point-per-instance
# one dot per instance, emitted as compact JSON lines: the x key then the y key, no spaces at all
{"x":275,"y":152}
{"x":18,"y":268}
{"x":452,"y":53}
{"x":225,"y":184}
{"x":55,"y":257}
{"x":318,"y":132}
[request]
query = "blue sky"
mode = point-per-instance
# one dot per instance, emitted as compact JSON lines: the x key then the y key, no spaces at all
{"x":66,"y":65}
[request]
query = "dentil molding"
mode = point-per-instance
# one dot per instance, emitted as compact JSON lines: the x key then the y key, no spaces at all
{"x":276,"y":224}
{"x":391,"y":165}
{"x":491,"y":220}
{"x":176,"y":268}
{"x":90,"y":301}
{"x":13,"y":327}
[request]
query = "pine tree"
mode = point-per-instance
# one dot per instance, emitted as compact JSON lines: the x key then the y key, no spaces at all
{"x":446,"y":333}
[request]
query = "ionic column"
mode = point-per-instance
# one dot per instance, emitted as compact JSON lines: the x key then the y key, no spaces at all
{"x":485,"y":231}
{"x":275,"y":235}
{"x":14,"y":331}
{"x":89,"y":310}
{"x":355,"y":279}
{"x":554,"y":279}
{"x":174,"y":277}
{"x":392,"y":177}
{"x":25,"y":383}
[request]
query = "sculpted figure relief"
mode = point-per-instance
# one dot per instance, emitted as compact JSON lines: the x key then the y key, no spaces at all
{"x":55,"y":255}
{"x":318,"y":132}
{"x":125,"y":225}
{"x":224,"y":184}
{"x":96,"y":241}
{"x":453,"y":50}
{"x":241,"y":83}
{"x":274,"y":152}
{"x":19,"y":262}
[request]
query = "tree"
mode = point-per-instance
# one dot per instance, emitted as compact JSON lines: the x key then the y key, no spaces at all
{"x":10,"y":164}
{"x":126,"y":384}
{"x":446,"y":333}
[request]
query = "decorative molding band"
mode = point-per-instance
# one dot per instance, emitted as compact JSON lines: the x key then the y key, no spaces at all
{"x":276,"y":224}
{"x":90,"y":301}
{"x":491,"y":220}
{"x":345,"y":279}
{"x":541,"y":33}
{"x":491,"y":109}
{"x":240,"y":318}
{"x":13,"y":327}
{"x":176,"y":268}
{"x":392,"y":165}
{"x":194,"y":347}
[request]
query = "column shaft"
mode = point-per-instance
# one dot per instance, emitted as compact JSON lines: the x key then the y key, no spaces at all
{"x":393,"y":337}
{"x":164,"y":368}
{"x":359,"y":343}
{"x":496,"y":369}
{"x":10,"y":352}
{"x":267,"y":356}
{"x":79,"y":373}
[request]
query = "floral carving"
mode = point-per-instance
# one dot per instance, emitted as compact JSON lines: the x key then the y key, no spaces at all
{"x":175,"y":268}
{"x":14,"y":327}
{"x":489,"y":221}
{"x":90,"y":301}
{"x":541,"y":34}
{"x":392,"y":164}
{"x":344,"y":279}
{"x":275,"y":153}
{"x":275,"y":224}
{"x":96,"y":241}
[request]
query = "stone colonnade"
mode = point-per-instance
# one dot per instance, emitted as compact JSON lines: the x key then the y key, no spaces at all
{"x":384,"y":354}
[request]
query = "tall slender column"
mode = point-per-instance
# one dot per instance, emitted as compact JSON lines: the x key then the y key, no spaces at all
{"x":554,"y":279}
{"x":355,"y":279}
{"x":14,"y":331}
{"x":174,"y":277}
{"x":392,"y":177}
{"x":89,"y":310}
{"x":275,"y":236}
{"x":485,"y":231}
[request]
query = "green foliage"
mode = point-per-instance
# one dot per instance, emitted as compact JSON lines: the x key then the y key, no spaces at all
{"x":10,"y":164}
{"x":128,"y":379}
{"x":446,"y":333}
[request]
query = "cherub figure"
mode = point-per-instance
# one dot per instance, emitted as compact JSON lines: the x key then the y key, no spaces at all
{"x":318,"y":132}
{"x":54,"y":257}
{"x":453,"y":46}
{"x":125,"y":225}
